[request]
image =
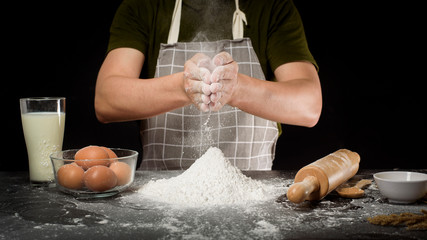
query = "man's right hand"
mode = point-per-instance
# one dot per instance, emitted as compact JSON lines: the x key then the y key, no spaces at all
{"x":197,"y":77}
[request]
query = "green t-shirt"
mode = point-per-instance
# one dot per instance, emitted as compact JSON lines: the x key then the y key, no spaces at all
{"x":274,"y":27}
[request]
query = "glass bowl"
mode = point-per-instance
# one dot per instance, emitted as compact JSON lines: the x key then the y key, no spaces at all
{"x":66,"y":157}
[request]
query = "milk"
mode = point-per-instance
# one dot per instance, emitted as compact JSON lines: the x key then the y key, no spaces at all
{"x":43,"y":132}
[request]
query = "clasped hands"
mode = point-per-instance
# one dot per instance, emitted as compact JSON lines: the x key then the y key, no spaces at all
{"x":210,"y":83}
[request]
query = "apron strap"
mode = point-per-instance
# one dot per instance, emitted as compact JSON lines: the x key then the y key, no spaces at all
{"x":239,"y":18}
{"x":176,"y":20}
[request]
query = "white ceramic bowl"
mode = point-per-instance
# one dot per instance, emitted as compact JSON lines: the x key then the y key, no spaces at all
{"x":402,"y":187}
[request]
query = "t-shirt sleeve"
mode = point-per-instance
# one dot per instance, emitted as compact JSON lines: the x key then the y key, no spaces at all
{"x":286,"y":40}
{"x":128,"y":28}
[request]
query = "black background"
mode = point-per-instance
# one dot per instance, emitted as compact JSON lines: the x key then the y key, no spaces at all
{"x":373,"y":92}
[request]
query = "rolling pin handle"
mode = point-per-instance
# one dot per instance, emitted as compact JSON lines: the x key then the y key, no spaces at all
{"x":300,"y":191}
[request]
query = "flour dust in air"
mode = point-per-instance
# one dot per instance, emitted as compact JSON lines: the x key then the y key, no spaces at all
{"x":210,"y":181}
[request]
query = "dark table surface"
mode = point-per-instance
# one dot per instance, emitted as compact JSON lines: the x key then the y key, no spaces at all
{"x":37,"y":213}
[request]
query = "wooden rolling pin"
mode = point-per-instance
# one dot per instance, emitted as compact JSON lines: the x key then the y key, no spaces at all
{"x":316,"y":180}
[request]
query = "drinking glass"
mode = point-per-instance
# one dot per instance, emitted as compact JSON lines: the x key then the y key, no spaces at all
{"x":43,"y":122}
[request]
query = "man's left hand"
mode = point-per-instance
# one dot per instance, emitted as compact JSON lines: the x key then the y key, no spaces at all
{"x":223,"y":80}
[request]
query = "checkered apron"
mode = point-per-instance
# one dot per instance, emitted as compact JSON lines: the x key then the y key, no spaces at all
{"x":174,"y":140}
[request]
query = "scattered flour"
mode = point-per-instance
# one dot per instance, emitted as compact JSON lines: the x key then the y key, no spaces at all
{"x":264,"y":228}
{"x":210,"y":181}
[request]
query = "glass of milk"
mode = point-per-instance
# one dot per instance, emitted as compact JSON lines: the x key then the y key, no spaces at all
{"x":43,"y":121}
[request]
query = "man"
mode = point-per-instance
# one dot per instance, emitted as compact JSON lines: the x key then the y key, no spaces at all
{"x":220,"y":76}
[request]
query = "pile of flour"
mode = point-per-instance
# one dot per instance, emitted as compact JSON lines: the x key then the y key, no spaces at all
{"x":210,"y":181}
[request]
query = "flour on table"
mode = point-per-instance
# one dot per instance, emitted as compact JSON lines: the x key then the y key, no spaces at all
{"x":264,"y":229}
{"x":211,"y":180}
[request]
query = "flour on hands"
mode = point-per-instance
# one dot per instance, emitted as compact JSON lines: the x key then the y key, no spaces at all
{"x":210,"y":83}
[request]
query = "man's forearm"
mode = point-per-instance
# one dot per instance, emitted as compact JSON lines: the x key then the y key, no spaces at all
{"x":121,"y":98}
{"x":295,"y":102}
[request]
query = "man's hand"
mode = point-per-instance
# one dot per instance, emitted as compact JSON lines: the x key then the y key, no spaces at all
{"x":223,"y":80}
{"x":197,"y":79}
{"x":210,"y":84}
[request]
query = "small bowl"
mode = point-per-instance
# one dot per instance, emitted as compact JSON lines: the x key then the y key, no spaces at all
{"x":62,"y":158}
{"x":402,"y":187}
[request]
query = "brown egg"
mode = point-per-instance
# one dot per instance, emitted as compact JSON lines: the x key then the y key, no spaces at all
{"x":111,"y":153}
{"x":70,"y":176}
{"x":123,"y":172}
{"x":99,"y":178}
{"x":90,"y":156}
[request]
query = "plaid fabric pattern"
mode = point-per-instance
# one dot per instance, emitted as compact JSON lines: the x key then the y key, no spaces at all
{"x":174,"y":140}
